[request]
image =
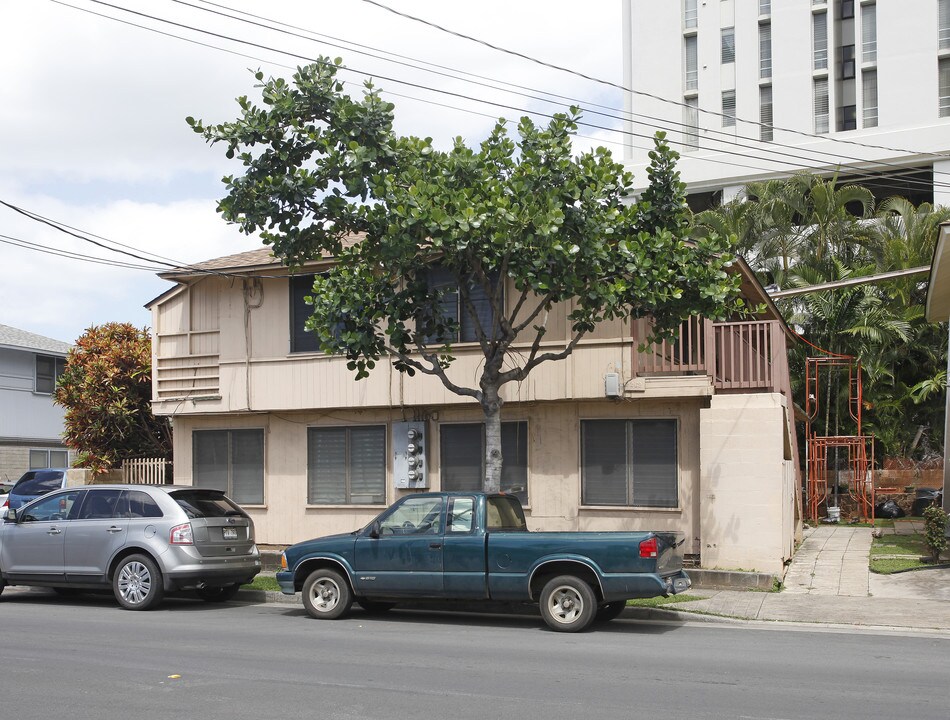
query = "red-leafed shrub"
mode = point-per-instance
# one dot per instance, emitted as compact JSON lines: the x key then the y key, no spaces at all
{"x":106,"y":390}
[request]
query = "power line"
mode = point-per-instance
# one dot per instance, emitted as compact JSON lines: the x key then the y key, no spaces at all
{"x":758,"y":148}
{"x":642,"y":93}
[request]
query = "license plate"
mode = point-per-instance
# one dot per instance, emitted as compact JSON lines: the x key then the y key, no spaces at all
{"x":230,"y":533}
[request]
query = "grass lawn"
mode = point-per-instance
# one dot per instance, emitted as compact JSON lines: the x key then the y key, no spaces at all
{"x":263,"y":582}
{"x":658,"y":601}
{"x":894,"y":553}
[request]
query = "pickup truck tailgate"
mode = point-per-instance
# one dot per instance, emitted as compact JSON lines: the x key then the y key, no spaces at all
{"x":669,"y":552}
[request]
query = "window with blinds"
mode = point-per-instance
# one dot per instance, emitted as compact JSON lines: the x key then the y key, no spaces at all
{"x":728,"y":45}
{"x":232,"y":461}
{"x":452,"y":308}
{"x":765,"y":113}
{"x":346,"y":465}
{"x":869,"y":97}
{"x":690,"y":16}
{"x":943,"y":24}
{"x":462,"y":457}
{"x":765,"y":7}
{"x":821,"y":105}
{"x":728,"y":108}
{"x":765,"y":51}
{"x":820,"y":40}
{"x":631,"y":463}
{"x":869,"y":33}
{"x":691,"y":124}
{"x":691,"y":75}
{"x":943,"y":72}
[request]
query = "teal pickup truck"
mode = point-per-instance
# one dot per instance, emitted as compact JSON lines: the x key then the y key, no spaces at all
{"x":476,"y":546}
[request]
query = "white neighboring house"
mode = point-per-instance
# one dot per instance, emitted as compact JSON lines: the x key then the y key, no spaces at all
{"x":760,"y":89}
{"x":31,"y":424}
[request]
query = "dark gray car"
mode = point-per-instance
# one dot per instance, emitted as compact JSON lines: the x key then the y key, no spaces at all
{"x":140,"y":540}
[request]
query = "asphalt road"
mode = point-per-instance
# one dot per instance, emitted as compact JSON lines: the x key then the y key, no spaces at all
{"x":86,"y":658}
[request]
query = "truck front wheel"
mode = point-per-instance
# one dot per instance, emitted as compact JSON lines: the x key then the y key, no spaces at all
{"x":568,"y":604}
{"x":326,"y":595}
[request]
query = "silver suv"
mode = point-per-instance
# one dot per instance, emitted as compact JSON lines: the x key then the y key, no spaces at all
{"x":140,"y":540}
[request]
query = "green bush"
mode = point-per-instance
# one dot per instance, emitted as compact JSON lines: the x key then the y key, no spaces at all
{"x":935,"y":529}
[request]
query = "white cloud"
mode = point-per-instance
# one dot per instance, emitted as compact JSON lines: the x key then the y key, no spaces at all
{"x":92,"y":129}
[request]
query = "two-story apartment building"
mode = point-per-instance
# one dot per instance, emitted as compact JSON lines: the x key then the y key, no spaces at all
{"x":31,"y":424}
{"x":696,"y":436}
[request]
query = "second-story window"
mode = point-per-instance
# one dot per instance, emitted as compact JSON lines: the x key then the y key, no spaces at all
{"x":690,"y":124}
{"x":943,"y":24}
{"x":821,"y":105}
{"x":869,"y":95}
{"x":728,"y":45}
{"x":765,"y":113}
{"x":301,"y":340}
{"x":48,"y":370}
{"x":943,"y":89}
{"x":453,"y":307}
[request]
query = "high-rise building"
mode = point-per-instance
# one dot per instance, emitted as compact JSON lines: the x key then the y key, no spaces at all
{"x":758,"y":89}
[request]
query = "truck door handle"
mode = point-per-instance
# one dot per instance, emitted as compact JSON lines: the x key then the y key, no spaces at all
{"x":435,"y":546}
{"x":54,"y":531}
{"x":114,"y":529}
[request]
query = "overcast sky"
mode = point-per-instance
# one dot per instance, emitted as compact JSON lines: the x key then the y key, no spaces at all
{"x":93,"y":132}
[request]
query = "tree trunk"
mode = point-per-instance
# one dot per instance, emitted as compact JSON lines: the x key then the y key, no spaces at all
{"x":491,"y":404}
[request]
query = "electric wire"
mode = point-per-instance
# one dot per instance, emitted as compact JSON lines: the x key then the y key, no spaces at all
{"x":858,"y":173}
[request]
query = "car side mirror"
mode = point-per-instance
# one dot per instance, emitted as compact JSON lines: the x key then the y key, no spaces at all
{"x":374,"y":530}
{"x":10,"y":515}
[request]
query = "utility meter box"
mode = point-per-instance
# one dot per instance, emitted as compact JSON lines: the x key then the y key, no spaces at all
{"x":410,"y":469}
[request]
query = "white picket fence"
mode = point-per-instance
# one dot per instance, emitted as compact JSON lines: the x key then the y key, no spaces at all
{"x":147,"y":471}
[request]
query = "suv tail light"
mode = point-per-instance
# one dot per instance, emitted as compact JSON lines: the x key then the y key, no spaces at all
{"x":648,"y":548}
{"x":183,"y":535}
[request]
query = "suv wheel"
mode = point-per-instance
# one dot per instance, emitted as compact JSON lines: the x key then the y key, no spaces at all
{"x":137,"y":583}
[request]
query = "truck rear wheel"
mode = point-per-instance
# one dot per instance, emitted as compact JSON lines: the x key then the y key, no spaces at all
{"x":568,"y":604}
{"x":326,"y":595}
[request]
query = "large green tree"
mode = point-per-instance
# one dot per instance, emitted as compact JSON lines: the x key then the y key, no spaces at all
{"x":106,"y":389}
{"x":480,"y":240}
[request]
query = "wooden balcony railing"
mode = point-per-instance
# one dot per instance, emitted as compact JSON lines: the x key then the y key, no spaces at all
{"x":740,"y":356}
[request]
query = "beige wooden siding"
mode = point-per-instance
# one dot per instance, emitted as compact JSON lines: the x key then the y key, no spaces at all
{"x":554,"y":481}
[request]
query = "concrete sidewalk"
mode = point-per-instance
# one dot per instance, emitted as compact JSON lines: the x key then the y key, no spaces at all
{"x":828,"y":581}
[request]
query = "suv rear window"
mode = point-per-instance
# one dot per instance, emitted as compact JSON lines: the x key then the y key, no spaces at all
{"x":206,"y":504}
{"x":39,"y":482}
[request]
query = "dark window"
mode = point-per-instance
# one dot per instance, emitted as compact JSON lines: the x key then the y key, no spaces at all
{"x":346,"y":465}
{"x":231,"y":461}
{"x":48,"y":370}
{"x":38,"y":482}
{"x":451,"y":306}
{"x":629,"y":462}
{"x":203,"y":504}
{"x":847,"y":62}
{"x":462,"y":452}
{"x":99,"y":505}
{"x":849,"y":118}
{"x":301,"y":340}
{"x":137,"y":504}
{"x":847,"y":9}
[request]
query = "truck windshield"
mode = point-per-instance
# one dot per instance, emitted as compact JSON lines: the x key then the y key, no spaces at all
{"x":505,"y":513}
